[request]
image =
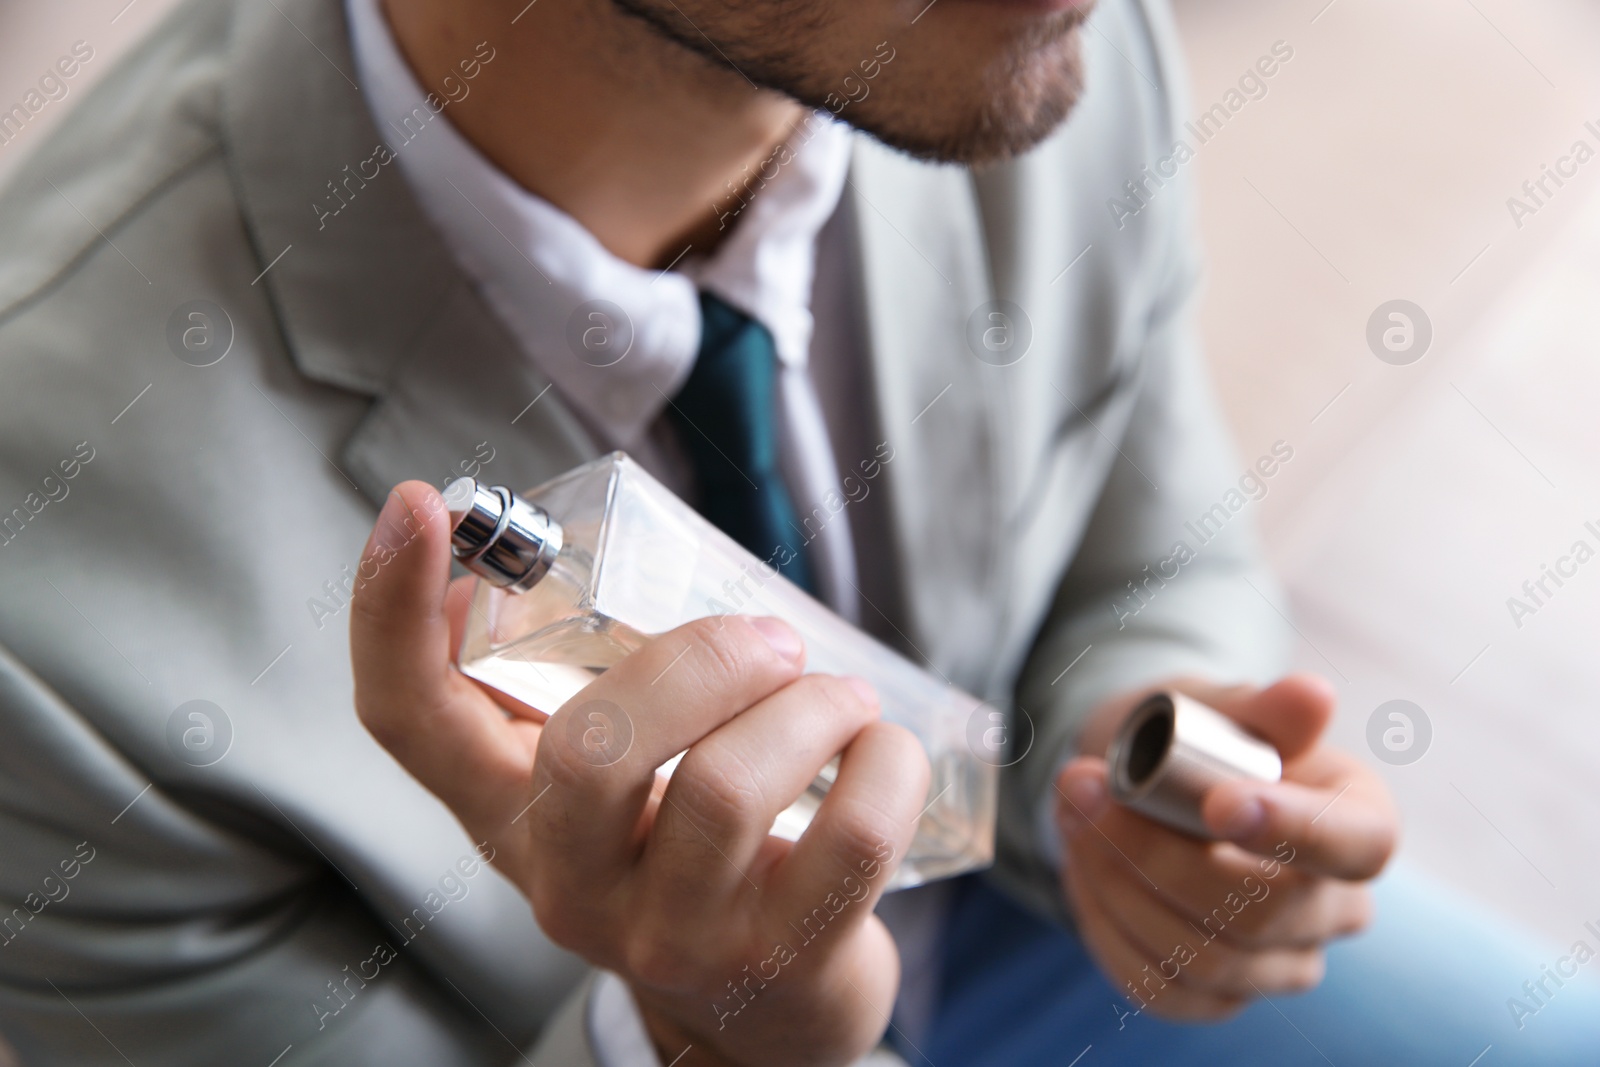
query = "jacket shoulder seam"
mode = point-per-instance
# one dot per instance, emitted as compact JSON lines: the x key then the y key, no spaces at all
{"x":75,"y":259}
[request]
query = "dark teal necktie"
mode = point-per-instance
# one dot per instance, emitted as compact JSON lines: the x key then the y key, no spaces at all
{"x":726,"y":418}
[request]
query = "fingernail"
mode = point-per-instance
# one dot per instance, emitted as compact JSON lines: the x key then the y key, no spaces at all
{"x":1246,"y":821}
{"x":864,"y":690}
{"x":1086,"y":799}
{"x":781,"y":636}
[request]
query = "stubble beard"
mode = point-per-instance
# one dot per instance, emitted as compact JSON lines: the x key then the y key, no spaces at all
{"x":968,"y":113}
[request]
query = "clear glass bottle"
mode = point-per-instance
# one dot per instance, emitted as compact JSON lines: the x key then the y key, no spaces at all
{"x":586,"y":568}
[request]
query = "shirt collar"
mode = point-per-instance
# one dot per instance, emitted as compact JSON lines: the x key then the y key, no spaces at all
{"x":765,"y":267}
{"x":615,"y":340}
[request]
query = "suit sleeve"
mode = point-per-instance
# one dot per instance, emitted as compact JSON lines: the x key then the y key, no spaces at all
{"x":1169,"y":578}
{"x":132,"y":927}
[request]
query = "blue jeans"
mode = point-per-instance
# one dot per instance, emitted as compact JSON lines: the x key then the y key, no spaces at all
{"x":1427,"y":984}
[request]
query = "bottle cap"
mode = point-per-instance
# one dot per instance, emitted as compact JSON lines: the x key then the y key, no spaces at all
{"x":1172,"y":749}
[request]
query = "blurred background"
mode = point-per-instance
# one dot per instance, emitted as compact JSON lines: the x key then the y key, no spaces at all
{"x":1422,"y":494}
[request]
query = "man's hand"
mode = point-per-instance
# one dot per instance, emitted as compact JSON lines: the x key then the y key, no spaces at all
{"x":1196,"y":929}
{"x":747,"y":948}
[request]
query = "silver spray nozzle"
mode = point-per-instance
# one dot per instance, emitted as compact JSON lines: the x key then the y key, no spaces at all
{"x":499,"y":536}
{"x":1173,"y":749}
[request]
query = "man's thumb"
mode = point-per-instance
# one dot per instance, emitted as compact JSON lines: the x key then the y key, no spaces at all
{"x":399,"y":636}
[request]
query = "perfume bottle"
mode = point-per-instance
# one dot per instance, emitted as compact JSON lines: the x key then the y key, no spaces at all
{"x":586,"y":568}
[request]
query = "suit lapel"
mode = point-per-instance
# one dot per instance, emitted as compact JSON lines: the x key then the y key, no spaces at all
{"x":925,"y":274}
{"x":467,"y":401}
{"x":371,"y":299}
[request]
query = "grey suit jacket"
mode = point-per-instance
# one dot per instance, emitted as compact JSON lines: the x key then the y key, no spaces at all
{"x":231,"y":880}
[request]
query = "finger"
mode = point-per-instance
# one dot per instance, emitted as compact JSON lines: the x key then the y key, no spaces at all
{"x":407,"y":692}
{"x":1185,"y":868}
{"x":397,"y":616}
{"x":724,"y":795}
{"x":1130,"y":971}
{"x":832,"y":878}
{"x":1259,"y":901}
{"x":1349,"y":832}
{"x":1191,"y":874}
{"x":599,"y":753}
{"x":1290,"y":715}
{"x":1200,"y":956}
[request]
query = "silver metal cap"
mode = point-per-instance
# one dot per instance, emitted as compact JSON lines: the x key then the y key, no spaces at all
{"x":1172,"y":749}
{"x":499,"y":536}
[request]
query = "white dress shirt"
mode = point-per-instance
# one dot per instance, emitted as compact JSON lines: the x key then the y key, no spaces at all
{"x":542,"y":272}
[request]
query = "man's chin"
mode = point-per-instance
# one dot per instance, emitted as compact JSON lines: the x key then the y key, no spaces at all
{"x":992,"y":134}
{"x":979,"y":81}
{"x":988,"y":120}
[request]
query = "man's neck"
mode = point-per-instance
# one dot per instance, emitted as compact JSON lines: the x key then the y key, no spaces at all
{"x":632,"y":135}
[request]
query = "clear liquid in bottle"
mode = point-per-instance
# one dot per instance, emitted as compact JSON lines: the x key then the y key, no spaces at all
{"x":622,"y":560}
